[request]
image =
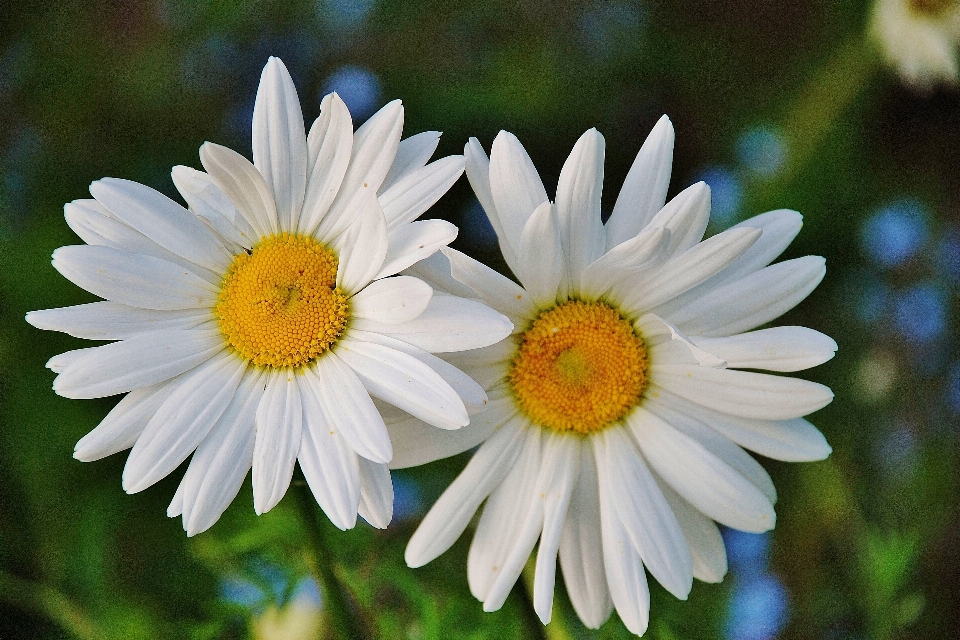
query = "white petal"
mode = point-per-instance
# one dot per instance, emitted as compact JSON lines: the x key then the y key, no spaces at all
{"x":405,"y":382}
{"x":330,"y":145}
{"x":435,"y":271}
{"x":644,"y":512}
{"x":751,"y":301}
{"x":163,"y":221}
{"x":207,"y":201}
{"x":453,"y":511}
{"x":411,"y":243}
{"x":416,"y":443}
{"x":792,"y":440}
{"x":362,"y":248}
{"x":374,"y":148}
{"x":743,"y":393}
{"x":329,"y":465}
{"x":392,"y":300}
{"x":686,"y":217}
{"x":578,"y":207}
{"x":496,"y":290}
{"x":644,"y":190}
{"x":688,"y":269}
{"x":242,"y":183}
{"x":112,"y":321}
{"x":412,"y":154}
{"x":558,"y":478}
{"x":542,"y":260}
{"x":279,"y":427}
{"x":625,"y":260}
{"x":121,"y":427}
{"x":508,"y":527}
{"x":776,"y":349}
{"x":348,"y":408}
{"x":581,"y":548}
{"x":279,"y":141}
{"x":376,"y":494}
{"x":478,"y":174}
{"x":702,"y":478}
{"x":135,"y":280}
{"x":182,"y":421}
{"x":667,"y":345}
{"x":140,"y":361}
{"x":515,"y":186}
{"x":60,"y":362}
{"x":412,"y":195}
{"x":472,"y":394}
{"x":702,"y":536}
{"x":221,"y":462}
{"x":625,"y":576}
{"x":448,"y":324}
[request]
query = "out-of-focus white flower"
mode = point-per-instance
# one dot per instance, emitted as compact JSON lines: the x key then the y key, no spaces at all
{"x":299,"y":620}
{"x":919,"y":39}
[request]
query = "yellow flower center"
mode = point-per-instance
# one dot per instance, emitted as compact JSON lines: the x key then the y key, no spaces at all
{"x":580,"y":367}
{"x":279,"y":305}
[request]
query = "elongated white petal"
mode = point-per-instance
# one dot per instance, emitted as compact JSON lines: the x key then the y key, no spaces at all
{"x":330,"y":145}
{"x":405,"y":382}
{"x":686,"y":216}
{"x":448,"y":324}
{"x":112,"y":321}
{"x":472,"y":394}
{"x":415,"y":442}
{"x":743,"y":393}
{"x":362,"y":248}
{"x":392,"y":300}
{"x":453,"y":511}
{"x":279,"y":426}
{"x":581,"y":547}
{"x":515,"y":186}
{"x":376,"y":493}
{"x":182,"y":421}
{"x":349,"y":408}
{"x":667,"y":345}
{"x":412,"y":154}
{"x":689,"y":269}
{"x":478,"y":174}
{"x":775,"y":349}
{"x":140,"y":361}
{"x":702,"y":536}
{"x":558,"y":478}
{"x":244,"y":185}
{"x":792,"y":440}
{"x":60,"y":362}
{"x":751,"y":301}
{"x":542,"y":261}
{"x":221,"y":462}
{"x":411,"y":243}
{"x":135,"y":280}
{"x":496,"y":290}
{"x":644,"y":190}
{"x":435,"y":271}
{"x":508,"y":527}
{"x":645,"y":513}
{"x":408,"y":198}
{"x":330,"y":466}
{"x":578,"y":208}
{"x":279,"y":141}
{"x":163,"y":221}
{"x":624,"y":261}
{"x":121,"y":427}
{"x":374,"y":148}
{"x":702,"y":478}
{"x":624,"y":567}
{"x":207,"y":201}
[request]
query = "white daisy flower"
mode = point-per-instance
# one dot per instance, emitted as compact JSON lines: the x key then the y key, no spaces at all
{"x":253,"y":328}
{"x":618,"y":418}
{"x":919,"y":39}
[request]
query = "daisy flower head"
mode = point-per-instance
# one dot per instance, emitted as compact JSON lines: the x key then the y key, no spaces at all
{"x":619,"y":414}
{"x":252,"y":328}
{"x":919,"y":39}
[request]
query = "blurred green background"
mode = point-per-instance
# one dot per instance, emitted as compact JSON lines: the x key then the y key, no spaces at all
{"x":775,"y":105}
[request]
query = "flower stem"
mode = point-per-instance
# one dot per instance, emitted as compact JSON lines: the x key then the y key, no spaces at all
{"x":340,"y":610}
